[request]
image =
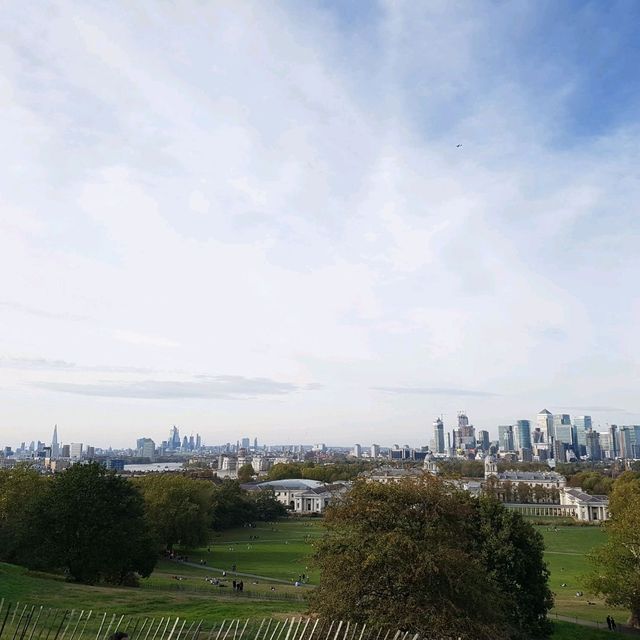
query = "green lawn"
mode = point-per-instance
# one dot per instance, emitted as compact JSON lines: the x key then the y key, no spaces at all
{"x":281,"y":551}
{"x":569,"y":631}
{"x":18,"y":585}
{"x":566,"y":549}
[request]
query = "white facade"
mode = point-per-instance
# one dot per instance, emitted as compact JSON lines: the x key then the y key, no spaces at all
{"x":588,"y":508}
{"x":303,"y":496}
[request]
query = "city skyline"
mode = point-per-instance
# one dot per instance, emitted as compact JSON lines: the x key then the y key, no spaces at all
{"x":290,"y":219}
{"x":427,"y":437}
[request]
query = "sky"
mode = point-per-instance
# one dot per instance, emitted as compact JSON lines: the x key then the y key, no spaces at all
{"x":255,"y":219}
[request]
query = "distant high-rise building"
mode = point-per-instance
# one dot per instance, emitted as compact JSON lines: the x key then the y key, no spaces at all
{"x":561,"y":418}
{"x":483,"y":440}
{"x":465,"y":435}
{"x":255,"y":443}
{"x":581,"y":426}
{"x":564,"y":434}
{"x":246,"y":443}
{"x":65,"y":451}
{"x":174,"y":438}
{"x":192,"y":443}
{"x":185,"y":443}
{"x":505,"y":437}
{"x":375,"y":450}
{"x":522,"y":435}
{"x":593,"y":450}
{"x":75,"y":450}
{"x":544,"y":422}
{"x":357,"y":451}
{"x":146,"y":448}
{"x":198,"y":442}
{"x":613,"y":435}
{"x":438,"y":436}
{"x":583,"y":422}
{"x":55,"y":447}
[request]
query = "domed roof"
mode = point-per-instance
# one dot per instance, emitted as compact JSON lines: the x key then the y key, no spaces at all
{"x":291,"y":484}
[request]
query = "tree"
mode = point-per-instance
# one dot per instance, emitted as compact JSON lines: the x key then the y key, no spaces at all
{"x":267,"y":506}
{"x":232,"y":506}
{"x":524,"y":492}
{"x":246,"y":473}
{"x":178,"y":508}
{"x":420,"y":554}
{"x":616,"y":565}
{"x":513,"y":552}
{"x":21,"y":491}
{"x":92,"y":526}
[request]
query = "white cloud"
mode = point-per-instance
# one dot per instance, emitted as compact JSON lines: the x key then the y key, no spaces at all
{"x":249,"y":190}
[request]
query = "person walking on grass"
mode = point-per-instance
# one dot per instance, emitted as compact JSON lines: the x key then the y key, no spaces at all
{"x":609,"y":622}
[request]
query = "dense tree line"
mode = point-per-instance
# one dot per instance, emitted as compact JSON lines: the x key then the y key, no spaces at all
{"x":327,"y":472}
{"x":96,"y":526}
{"x":434,"y":560}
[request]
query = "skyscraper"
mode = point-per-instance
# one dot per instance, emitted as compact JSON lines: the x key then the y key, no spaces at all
{"x":438,"y":436}
{"x":483,"y":440}
{"x":505,"y":437}
{"x":544,"y":422}
{"x":522,"y":435}
{"x":592,"y":447}
{"x":55,"y":447}
{"x":466,"y":433}
{"x":174,"y":438}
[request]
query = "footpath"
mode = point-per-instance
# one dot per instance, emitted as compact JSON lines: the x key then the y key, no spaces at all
{"x":233,"y":574}
{"x":620,"y":628}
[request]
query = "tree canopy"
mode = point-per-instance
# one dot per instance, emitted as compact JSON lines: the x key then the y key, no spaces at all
{"x":616,"y":565}
{"x":92,"y":526}
{"x":178,"y":508}
{"x":426,"y":556}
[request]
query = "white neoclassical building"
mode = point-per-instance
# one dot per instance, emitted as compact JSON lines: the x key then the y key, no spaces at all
{"x":301,"y":495}
{"x":588,"y":508}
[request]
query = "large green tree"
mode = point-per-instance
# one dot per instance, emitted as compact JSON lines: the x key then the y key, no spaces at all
{"x":513,"y":552}
{"x":22,"y":490}
{"x":178,"y":508}
{"x":92,"y":526}
{"x":616,"y":565}
{"x":267,"y":506}
{"x":421,"y":555}
{"x":232,"y":506}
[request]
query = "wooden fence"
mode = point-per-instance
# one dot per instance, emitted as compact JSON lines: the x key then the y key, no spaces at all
{"x":37,"y":622}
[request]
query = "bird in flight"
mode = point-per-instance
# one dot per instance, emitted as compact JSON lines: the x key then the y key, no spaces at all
{"x":458,"y":146}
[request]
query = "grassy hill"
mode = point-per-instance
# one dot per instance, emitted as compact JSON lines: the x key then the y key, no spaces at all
{"x":278,"y":554}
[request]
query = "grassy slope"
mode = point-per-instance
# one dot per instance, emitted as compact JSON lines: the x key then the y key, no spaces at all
{"x":282,"y":553}
{"x":16,"y":584}
{"x":566,"y":549}
{"x":568,"y":631}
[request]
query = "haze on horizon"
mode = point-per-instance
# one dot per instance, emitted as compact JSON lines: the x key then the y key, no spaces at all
{"x":254,"y":219}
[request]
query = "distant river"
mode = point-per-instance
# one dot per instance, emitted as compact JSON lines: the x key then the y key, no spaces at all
{"x":154,"y":466}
